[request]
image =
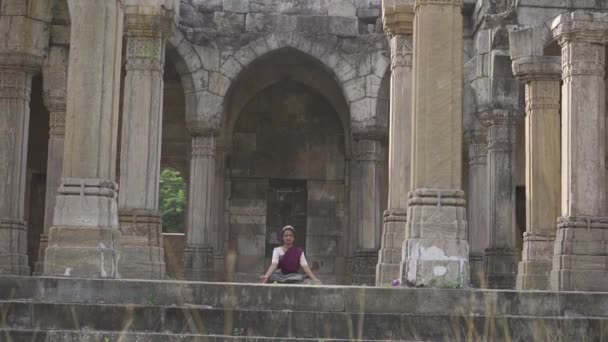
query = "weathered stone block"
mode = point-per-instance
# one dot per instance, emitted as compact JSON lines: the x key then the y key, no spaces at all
{"x":368,"y":13}
{"x":500,"y":64}
{"x":229,"y":22}
{"x":483,"y":41}
{"x":237,"y":6}
{"x":339,"y":26}
{"x":218,"y":83}
{"x":529,"y":41}
{"x":14,"y":7}
{"x":533,"y":16}
{"x":207,"y":5}
{"x":341,"y":8}
{"x":258,"y":22}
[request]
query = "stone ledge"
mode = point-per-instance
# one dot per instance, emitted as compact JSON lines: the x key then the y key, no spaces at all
{"x":318,"y":298}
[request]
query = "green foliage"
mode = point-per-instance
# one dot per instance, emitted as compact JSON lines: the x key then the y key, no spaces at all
{"x":172,"y":201}
{"x":151,"y":300}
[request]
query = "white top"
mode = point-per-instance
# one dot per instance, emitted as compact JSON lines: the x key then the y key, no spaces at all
{"x":278,"y":253}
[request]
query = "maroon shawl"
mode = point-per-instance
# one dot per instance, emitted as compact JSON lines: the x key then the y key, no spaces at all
{"x":290,"y":262}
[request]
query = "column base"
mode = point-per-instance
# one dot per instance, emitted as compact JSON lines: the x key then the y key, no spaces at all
{"x":142,"y":254}
{"x":82,"y":252}
{"x":436,"y":251}
{"x":364,"y":267}
{"x":478,"y":278}
{"x":85,"y":240}
{"x":199,"y":263}
{"x":580,"y":256}
{"x":39,"y":265}
{"x":13,"y":245}
{"x":533,"y":271}
{"x":219,"y":262}
{"x":500,"y":266}
{"x":389,"y":257}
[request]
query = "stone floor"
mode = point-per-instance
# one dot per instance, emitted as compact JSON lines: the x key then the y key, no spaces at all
{"x":61,"y":309}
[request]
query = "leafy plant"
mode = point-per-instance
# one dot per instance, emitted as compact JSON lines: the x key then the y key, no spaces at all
{"x":151,"y":300}
{"x":172,"y":201}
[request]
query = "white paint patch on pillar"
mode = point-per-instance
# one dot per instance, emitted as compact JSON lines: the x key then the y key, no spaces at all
{"x":102,"y":247}
{"x":439,"y":271}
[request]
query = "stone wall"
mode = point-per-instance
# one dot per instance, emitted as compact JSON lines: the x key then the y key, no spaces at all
{"x":217,"y":40}
{"x":288,"y":132}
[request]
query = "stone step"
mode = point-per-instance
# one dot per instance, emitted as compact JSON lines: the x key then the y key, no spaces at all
{"x":337,"y":299}
{"x":294,"y":324}
{"x":17,"y":335}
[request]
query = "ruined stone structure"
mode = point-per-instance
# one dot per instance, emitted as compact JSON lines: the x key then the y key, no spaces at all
{"x":423,"y":141}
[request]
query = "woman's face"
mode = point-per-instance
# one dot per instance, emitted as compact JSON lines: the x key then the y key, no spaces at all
{"x":288,"y":237}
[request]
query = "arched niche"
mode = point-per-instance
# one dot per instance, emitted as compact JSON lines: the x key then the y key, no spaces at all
{"x":287,"y":138}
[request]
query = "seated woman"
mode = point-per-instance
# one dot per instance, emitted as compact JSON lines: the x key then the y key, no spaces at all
{"x":286,"y":260}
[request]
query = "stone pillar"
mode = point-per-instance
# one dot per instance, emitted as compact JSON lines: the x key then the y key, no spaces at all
{"x":542,"y":77}
{"x":580,"y":255}
{"x":367,"y":197}
{"x":398,"y":21}
{"x":478,"y":204}
{"x":16,"y":71}
{"x":84,"y":240}
{"x":219,"y":226}
{"x":55,"y":74}
{"x":502,"y":256}
{"x":198,"y":254}
{"x":140,"y":223}
{"x":436,"y":251}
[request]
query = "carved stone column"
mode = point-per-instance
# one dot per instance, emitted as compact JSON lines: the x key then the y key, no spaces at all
{"x":436,"y":251}
{"x":198,"y":254}
{"x":55,"y":79}
{"x":140,"y":224}
{"x":581,"y":250}
{"x":542,"y":78}
{"x":16,"y":71}
{"x":398,"y":21}
{"x":367,"y":197}
{"x":84,"y":240}
{"x":502,"y":256}
{"x":219,"y":227}
{"x":478,"y":203}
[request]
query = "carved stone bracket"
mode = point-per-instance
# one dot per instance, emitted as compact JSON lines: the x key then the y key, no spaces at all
{"x":398,"y":16}
{"x":148,"y":25}
{"x":537,"y":68}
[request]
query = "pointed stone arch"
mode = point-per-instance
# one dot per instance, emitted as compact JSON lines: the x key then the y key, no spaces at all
{"x":358,"y":76}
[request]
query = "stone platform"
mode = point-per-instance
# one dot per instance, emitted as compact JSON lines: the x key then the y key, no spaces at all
{"x":62,"y":309}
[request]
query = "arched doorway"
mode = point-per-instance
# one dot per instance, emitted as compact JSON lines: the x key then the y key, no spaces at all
{"x":287,"y":138}
{"x":175,"y":158}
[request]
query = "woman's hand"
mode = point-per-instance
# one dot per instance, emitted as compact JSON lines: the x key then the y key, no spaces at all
{"x":264,"y":279}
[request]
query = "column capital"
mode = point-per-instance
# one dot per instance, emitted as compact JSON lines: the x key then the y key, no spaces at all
{"x":201,"y":128}
{"x":369,"y":150}
{"x":398,"y":16}
{"x":146,"y":30}
{"x":537,"y":68}
{"x":581,"y":26}
{"x":401,"y":51}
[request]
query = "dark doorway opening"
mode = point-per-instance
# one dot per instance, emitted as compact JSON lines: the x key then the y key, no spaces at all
{"x":286,"y":205}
